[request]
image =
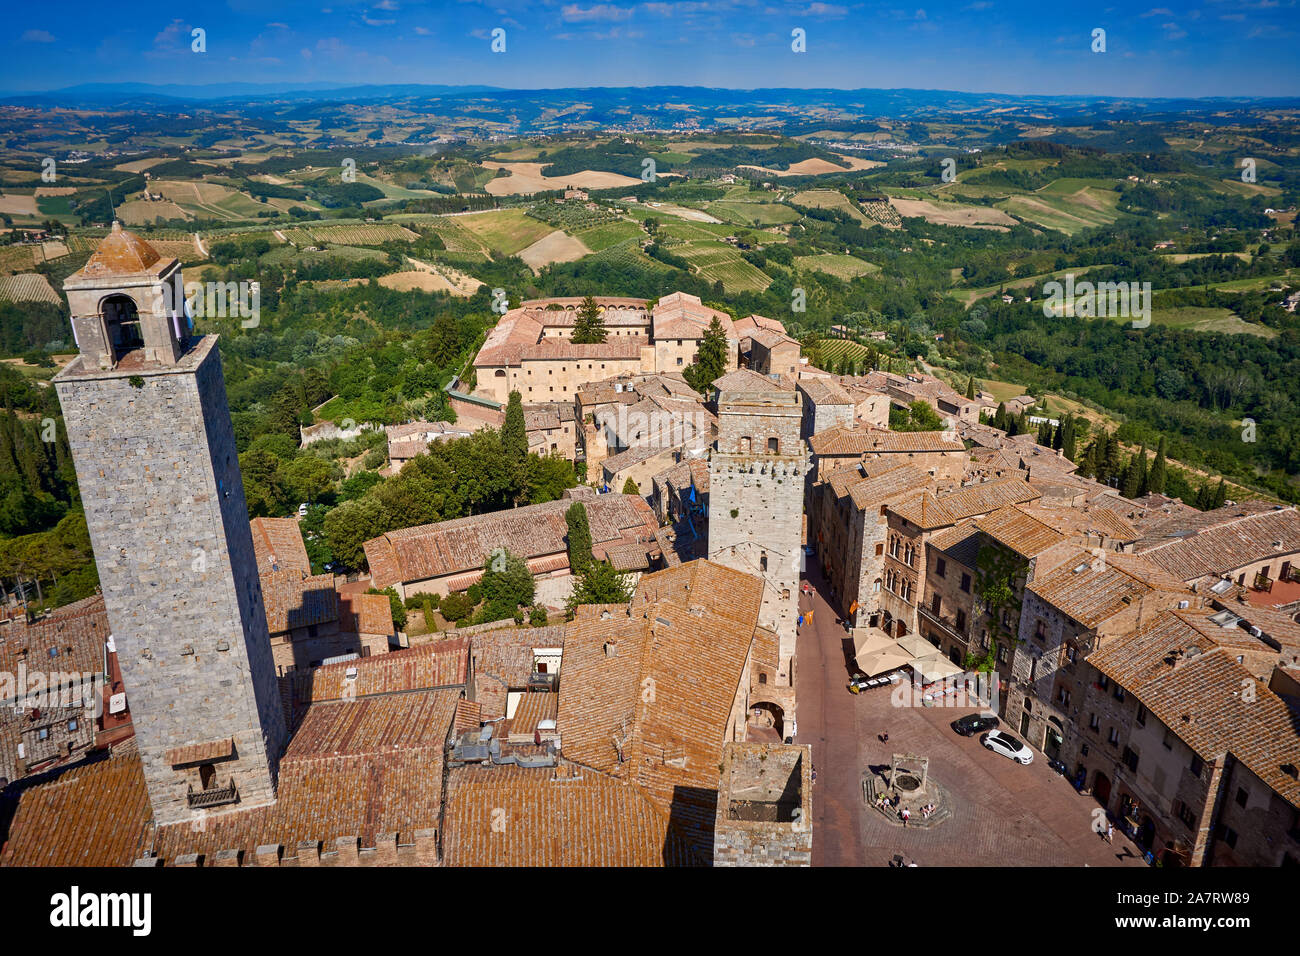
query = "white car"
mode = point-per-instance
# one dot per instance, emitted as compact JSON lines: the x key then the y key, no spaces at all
{"x":1001,"y":742}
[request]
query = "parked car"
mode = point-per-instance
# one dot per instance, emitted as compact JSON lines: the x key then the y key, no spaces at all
{"x":974,"y":724}
{"x":999,"y":741}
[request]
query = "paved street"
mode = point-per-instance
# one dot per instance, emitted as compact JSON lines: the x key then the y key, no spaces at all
{"x":1004,"y":814}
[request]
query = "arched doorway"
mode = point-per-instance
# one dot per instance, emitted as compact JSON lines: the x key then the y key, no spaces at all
{"x":1101,"y":789}
{"x":766,"y":722}
{"x":122,"y":322}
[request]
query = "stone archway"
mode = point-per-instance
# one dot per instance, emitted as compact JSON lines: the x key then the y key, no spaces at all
{"x":766,"y":721}
{"x":122,"y":323}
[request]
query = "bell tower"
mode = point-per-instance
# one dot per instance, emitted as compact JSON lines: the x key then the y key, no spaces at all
{"x":145,"y":407}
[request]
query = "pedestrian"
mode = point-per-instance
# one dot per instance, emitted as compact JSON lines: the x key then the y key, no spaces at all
{"x":906,"y":815}
{"x":884,"y":738}
{"x":1110,"y":832}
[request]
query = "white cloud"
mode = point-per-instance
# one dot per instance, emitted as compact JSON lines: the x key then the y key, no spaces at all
{"x":38,"y":36}
{"x":572,"y":13}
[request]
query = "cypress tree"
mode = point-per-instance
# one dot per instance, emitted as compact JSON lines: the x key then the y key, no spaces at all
{"x":514,"y":434}
{"x":579,"y":537}
{"x":1156,"y":479}
{"x":970,"y":387}
{"x":1067,"y":437}
{"x":1144,"y":476}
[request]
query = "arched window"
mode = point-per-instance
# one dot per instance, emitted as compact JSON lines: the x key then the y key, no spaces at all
{"x":122,"y":322}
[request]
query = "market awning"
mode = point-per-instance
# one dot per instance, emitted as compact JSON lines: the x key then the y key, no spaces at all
{"x":935,"y":668}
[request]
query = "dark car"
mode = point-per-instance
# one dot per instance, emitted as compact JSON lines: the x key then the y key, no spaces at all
{"x":974,"y":724}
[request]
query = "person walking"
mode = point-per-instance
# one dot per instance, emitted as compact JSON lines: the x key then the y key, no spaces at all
{"x":906,"y":816}
{"x":1110,"y":832}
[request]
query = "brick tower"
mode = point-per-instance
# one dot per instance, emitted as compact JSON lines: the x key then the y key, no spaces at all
{"x":756,"y":485}
{"x":147,"y":421}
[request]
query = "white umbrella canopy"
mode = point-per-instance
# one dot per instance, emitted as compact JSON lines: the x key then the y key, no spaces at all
{"x":917,"y":646}
{"x":883,"y":660}
{"x":868,"y":639}
{"x":935,"y":668}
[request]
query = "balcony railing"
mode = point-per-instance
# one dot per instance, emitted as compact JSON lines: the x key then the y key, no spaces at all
{"x":213,"y":796}
{"x":943,"y":623}
{"x":1263,"y":582}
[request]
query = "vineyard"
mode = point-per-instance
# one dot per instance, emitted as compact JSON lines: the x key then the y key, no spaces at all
{"x":723,"y":264}
{"x":833,"y":351}
{"x":572,"y":216}
{"x":28,"y":287}
{"x":883,"y":214}
{"x":365,"y":234}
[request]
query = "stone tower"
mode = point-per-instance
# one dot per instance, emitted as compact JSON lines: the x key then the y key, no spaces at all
{"x":756,"y":486}
{"x":148,"y":424}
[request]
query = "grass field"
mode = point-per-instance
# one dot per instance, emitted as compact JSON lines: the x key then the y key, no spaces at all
{"x":505,"y":230}
{"x":840,"y":266}
{"x":608,"y":234}
{"x":1067,"y":205}
{"x":1201,"y":319}
{"x":750,"y":213}
{"x":209,"y":200}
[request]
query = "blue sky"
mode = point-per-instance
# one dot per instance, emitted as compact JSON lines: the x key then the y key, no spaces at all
{"x":1208,"y":48}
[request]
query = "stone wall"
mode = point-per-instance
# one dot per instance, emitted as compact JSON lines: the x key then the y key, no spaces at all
{"x":764,"y":813}
{"x":159,"y":475}
{"x":344,"y":851}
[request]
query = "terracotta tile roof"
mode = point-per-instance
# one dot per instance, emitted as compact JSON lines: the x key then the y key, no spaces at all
{"x":294,"y":600}
{"x":746,"y":381}
{"x":469,"y":717}
{"x":532,"y":709}
{"x":534,"y":531}
{"x":506,"y":341}
{"x":365,"y":613}
{"x":76,"y":637}
{"x":89,"y":815}
{"x":843,"y":440}
{"x":503,"y":660}
{"x":771,"y":338}
{"x":929,"y":510}
{"x":1020,"y":532}
{"x":121,"y":253}
{"x":1194,"y":686}
{"x":647,"y":697}
{"x":1092,"y":591}
{"x":354,"y":768}
{"x":961,"y":543}
{"x":680,"y":315}
{"x":433,"y":666}
{"x":278,"y":545}
{"x":1231,"y":545}
{"x":821,"y":391}
{"x":565,"y":816}
{"x":1093,"y":520}
{"x":886,"y":486}
{"x":751,"y":323}
{"x":622,"y":347}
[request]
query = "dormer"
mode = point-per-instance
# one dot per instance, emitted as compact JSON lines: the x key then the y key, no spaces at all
{"x":128,"y":301}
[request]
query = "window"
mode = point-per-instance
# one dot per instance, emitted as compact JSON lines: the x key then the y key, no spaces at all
{"x":1242,"y":796}
{"x":43,"y":733}
{"x":1002,"y":654}
{"x":1071,"y":653}
{"x":1130,"y":759}
{"x":771,"y":446}
{"x":1094,"y":722}
{"x":72,"y":727}
{"x":965,"y":583}
{"x":935,"y":604}
{"x":1141,"y":716}
{"x":940,"y":566}
{"x":1119,"y":692}
{"x":880,"y":549}
{"x":762,"y":561}
{"x":1186,"y":815}
{"x":1063,"y":697}
{"x":54,"y":652}
{"x":1196,"y":765}
{"x":1103,"y":681}
{"x":1112,"y":738}
{"x":1230,"y":836}
{"x":961,"y":621}
{"x":1040,"y":630}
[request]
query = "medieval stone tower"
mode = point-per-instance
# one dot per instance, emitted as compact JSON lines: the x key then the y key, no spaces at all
{"x":147,"y":420}
{"x":756,"y":486}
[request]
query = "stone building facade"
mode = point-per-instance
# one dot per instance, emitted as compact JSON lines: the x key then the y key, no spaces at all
{"x":764,"y":815}
{"x":151,"y":437}
{"x":756,"y":478}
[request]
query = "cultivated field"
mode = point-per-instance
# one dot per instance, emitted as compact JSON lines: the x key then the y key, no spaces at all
{"x":364,"y":234}
{"x":28,"y":287}
{"x":719,"y":263}
{"x":840,"y":266}
{"x":17,"y":204}
{"x":829,"y":199}
{"x":952,"y":214}
{"x":557,"y":246}
{"x":526,"y":178}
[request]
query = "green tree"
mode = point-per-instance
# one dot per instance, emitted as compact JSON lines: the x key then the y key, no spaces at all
{"x":630,"y":488}
{"x":506,"y":586}
{"x":1159,"y":471}
{"x":589,"y":326}
{"x":456,"y":607}
{"x":710,"y":359}
{"x":600,"y":584}
{"x":514,"y":434}
{"x":1068,"y":437}
{"x":307,"y":478}
{"x":351,"y":525}
{"x":970,"y":387}
{"x":579,"y":537}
